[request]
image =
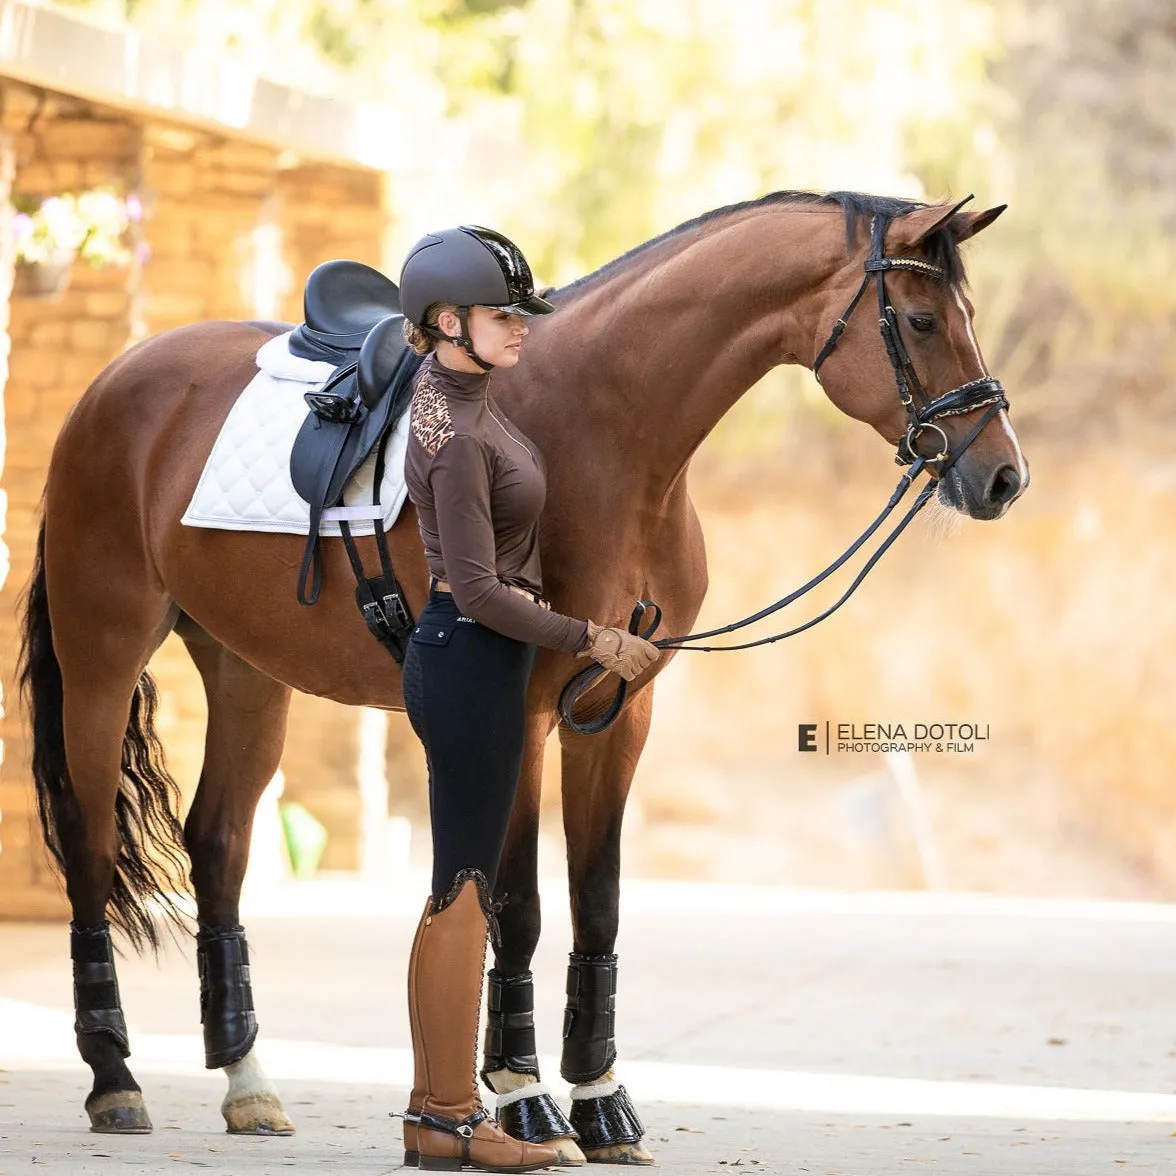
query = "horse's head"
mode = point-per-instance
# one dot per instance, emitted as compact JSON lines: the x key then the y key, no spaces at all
{"x":902,"y":356}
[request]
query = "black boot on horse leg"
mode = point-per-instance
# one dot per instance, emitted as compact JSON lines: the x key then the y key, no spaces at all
{"x":597,"y":772}
{"x":246,"y":730}
{"x":115,"y":1104}
{"x":510,"y":1065}
{"x":525,"y":1108}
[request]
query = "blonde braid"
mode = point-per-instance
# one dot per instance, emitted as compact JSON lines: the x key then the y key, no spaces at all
{"x":418,"y":338}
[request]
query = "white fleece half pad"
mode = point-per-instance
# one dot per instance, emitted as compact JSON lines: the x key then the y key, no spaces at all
{"x":246,"y":483}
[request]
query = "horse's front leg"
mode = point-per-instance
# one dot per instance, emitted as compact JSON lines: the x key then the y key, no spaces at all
{"x":597,"y":772}
{"x":510,"y":1068}
{"x":246,"y":732}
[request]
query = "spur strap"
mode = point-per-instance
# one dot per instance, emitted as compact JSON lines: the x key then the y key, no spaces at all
{"x":463,"y":1128}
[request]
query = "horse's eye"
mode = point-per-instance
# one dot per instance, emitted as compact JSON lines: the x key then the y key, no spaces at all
{"x":923,"y":323}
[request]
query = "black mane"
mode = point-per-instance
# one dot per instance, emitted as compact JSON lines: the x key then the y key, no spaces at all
{"x":941,"y":247}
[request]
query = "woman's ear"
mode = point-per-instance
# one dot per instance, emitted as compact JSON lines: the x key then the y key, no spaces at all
{"x":449,"y":324}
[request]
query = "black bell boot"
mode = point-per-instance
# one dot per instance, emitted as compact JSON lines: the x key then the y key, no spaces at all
{"x":529,"y":1112}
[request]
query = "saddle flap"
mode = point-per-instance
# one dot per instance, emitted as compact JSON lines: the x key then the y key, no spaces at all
{"x":326,"y":454}
{"x":322,"y":459}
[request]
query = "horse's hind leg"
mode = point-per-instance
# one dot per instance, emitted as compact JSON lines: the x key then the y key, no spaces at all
{"x":246,"y":730}
{"x":105,"y":800}
{"x":597,"y":773}
{"x":94,"y":719}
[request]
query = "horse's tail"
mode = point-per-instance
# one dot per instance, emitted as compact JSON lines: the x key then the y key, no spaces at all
{"x":151,"y":866}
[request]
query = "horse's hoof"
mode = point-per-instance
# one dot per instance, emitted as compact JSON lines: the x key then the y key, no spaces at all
{"x":256,"y":1114}
{"x":620,"y":1153}
{"x":568,"y":1150}
{"x":529,"y":1112}
{"x":121,"y":1112}
{"x":608,"y":1125}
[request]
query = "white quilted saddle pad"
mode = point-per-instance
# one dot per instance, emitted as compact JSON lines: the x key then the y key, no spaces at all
{"x":246,"y":483}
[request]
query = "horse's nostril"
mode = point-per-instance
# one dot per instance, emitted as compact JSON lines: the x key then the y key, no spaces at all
{"x":1005,"y":485}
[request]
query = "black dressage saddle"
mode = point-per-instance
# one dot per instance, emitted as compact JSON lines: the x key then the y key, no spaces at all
{"x":353,"y":320}
{"x":342,"y":301}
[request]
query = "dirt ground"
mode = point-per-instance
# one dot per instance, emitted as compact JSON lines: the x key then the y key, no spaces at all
{"x":773,"y":1029}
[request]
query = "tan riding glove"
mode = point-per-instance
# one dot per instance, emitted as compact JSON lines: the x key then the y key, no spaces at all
{"x":620,"y":651}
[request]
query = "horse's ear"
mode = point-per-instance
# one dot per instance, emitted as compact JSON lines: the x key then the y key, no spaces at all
{"x":970,"y":223}
{"x":912,"y":230}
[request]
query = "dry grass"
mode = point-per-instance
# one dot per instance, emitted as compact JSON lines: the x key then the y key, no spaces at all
{"x":1055,"y":626}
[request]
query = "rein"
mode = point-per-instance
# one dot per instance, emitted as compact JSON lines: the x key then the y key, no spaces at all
{"x":984,"y":392}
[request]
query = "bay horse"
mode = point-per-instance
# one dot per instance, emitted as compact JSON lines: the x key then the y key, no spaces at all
{"x":619,"y":388}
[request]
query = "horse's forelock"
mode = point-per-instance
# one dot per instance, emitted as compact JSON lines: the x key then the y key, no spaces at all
{"x":942,"y":247}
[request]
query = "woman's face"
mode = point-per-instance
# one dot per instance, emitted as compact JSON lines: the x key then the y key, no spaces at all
{"x":497,"y":336}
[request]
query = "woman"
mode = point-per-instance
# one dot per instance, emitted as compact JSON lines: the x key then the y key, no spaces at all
{"x":478,"y":485}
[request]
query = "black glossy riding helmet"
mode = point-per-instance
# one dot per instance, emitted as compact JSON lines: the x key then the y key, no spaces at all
{"x":467,"y":266}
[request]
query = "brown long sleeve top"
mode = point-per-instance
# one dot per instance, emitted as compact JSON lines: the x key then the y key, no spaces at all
{"x":479,"y":486}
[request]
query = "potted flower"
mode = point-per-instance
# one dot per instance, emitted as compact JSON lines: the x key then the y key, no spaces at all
{"x":51,"y":233}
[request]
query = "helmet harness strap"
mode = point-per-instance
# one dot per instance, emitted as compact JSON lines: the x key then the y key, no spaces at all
{"x":465,"y":342}
{"x":462,"y":340}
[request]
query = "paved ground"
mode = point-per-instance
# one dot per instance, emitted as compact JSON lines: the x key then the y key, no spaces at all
{"x":774,"y":1031}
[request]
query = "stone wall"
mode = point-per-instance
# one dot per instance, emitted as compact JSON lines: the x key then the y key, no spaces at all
{"x":19,"y":822}
{"x":230,"y":230}
{"x":58,"y":347}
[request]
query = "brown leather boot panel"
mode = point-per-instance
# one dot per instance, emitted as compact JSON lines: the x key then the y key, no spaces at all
{"x":419,"y":1076}
{"x":450,"y":961}
{"x":446,"y":974}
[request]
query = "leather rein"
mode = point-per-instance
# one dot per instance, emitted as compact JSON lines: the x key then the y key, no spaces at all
{"x":922,"y":415}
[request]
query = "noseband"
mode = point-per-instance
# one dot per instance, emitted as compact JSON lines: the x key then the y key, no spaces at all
{"x":921,"y":415}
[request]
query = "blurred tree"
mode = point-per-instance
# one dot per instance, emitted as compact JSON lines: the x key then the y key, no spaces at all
{"x":587,"y":126}
{"x":1072,"y":123}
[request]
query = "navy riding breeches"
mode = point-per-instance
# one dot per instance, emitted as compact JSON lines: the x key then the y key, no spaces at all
{"x":465,"y":690}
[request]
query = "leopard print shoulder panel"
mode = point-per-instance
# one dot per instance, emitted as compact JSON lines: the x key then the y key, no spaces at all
{"x":432,"y":425}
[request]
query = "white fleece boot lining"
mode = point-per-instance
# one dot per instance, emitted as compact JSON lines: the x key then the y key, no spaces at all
{"x":596,"y":1090}
{"x":528,"y":1091}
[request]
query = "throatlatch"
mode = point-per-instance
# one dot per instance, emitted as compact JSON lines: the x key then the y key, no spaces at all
{"x":96,"y":1000}
{"x":226,"y":996}
{"x":529,"y":1112}
{"x":589,"y":1029}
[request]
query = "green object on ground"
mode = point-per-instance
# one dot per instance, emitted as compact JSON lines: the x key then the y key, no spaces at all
{"x":306,"y":838}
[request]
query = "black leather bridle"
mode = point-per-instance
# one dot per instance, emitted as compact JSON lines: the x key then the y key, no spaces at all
{"x":922,"y":415}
